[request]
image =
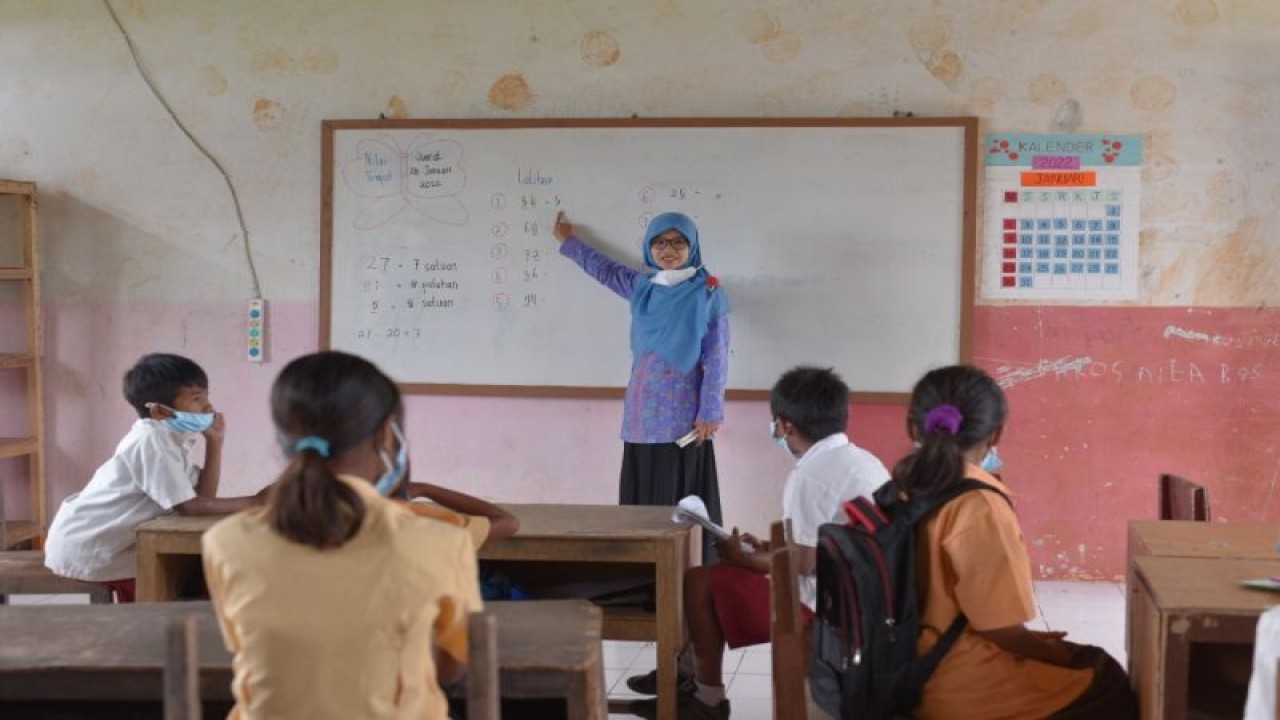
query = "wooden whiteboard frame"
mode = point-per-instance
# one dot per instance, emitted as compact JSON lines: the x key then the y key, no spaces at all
{"x":969,"y":224}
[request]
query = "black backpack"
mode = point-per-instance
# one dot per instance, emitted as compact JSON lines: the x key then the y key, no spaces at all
{"x":867,"y":620}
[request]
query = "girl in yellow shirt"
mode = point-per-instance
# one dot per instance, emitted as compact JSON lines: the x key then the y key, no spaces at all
{"x":971,"y":559}
{"x":336,"y":601}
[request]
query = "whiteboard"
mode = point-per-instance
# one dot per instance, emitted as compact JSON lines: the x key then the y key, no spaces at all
{"x":842,"y":243}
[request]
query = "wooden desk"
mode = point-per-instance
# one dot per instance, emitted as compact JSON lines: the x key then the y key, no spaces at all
{"x":1185,"y":538}
{"x":546,"y":649}
{"x":630,"y":534}
{"x":1181,"y":602}
{"x":169,"y":551}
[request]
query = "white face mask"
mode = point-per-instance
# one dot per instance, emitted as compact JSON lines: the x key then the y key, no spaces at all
{"x":396,"y":469}
{"x":672,"y":277}
{"x":991,"y":462}
{"x":780,"y":441}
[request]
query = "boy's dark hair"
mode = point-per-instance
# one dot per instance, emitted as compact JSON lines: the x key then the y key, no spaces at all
{"x":158,"y":377}
{"x":343,"y":400}
{"x":813,"y":399}
{"x":938,"y":462}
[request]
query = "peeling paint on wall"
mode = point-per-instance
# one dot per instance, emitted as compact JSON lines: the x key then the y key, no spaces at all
{"x":396,"y":108}
{"x":267,"y":114}
{"x":212,"y":81}
{"x":1196,"y":13}
{"x":599,"y":48}
{"x":510,"y":92}
{"x":1153,"y":92}
{"x":320,"y":60}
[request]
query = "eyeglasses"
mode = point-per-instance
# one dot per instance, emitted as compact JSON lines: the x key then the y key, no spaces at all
{"x":672,"y":243}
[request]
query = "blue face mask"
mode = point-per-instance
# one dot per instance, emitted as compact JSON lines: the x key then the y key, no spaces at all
{"x":991,"y":462}
{"x":779,"y":441}
{"x":187,"y":422}
{"x":394,"y":475}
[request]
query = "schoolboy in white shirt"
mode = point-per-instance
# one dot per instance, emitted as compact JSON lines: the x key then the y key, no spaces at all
{"x":92,"y":536}
{"x":728,"y":603}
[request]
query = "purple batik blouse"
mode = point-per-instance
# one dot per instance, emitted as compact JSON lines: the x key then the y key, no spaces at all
{"x":662,"y":403}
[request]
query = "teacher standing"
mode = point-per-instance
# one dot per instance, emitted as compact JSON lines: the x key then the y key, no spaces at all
{"x":679,"y":362}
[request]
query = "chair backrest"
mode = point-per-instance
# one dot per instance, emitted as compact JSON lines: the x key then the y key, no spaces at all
{"x":790,"y":656}
{"x":483,"y":696}
{"x":181,"y":670}
{"x":1181,"y":499}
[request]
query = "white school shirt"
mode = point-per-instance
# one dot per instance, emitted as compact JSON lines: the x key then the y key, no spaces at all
{"x":92,"y":536}
{"x":1261,"y":704}
{"x":830,"y":473}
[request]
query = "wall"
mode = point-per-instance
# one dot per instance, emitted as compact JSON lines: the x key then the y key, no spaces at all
{"x":143,"y":252}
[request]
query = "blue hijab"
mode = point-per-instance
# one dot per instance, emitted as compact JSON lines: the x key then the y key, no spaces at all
{"x":671,"y":321}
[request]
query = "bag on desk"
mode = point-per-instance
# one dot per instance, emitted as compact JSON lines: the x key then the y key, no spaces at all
{"x":867,"y":620}
{"x":495,"y":585}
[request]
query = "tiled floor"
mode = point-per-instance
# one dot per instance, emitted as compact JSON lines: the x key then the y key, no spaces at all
{"x":1090,"y":613}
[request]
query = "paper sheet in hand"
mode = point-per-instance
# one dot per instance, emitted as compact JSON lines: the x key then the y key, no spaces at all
{"x":692,"y":509}
{"x":1271,"y":583}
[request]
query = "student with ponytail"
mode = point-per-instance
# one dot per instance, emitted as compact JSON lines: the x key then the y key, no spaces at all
{"x":335,"y":600}
{"x":971,"y":560}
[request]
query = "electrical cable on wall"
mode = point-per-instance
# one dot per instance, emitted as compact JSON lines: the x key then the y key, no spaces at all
{"x":235,"y":199}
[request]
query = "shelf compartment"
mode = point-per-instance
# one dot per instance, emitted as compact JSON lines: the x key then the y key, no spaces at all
{"x":16,"y":360}
{"x":18,"y":447}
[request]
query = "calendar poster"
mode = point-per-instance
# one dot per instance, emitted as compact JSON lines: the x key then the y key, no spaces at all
{"x":1061,"y":216}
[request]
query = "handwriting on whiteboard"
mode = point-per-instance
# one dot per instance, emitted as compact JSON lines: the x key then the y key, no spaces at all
{"x":426,"y":176}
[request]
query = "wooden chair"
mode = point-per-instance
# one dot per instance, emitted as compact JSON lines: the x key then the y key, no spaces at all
{"x":23,"y":572}
{"x":182,"y":671}
{"x":1181,"y":499}
{"x":483,"y":696}
{"x":790,"y":652}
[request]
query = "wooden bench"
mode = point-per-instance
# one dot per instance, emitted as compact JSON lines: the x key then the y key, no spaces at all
{"x":22,"y":572}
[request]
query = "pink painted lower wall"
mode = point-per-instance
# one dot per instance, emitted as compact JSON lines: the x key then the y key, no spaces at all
{"x":513,"y":449}
{"x":1102,"y":400}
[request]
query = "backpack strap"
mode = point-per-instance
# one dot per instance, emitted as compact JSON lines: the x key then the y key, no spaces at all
{"x":923,"y":668}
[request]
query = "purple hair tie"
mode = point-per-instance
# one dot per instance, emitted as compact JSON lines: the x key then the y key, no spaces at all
{"x":947,"y":417}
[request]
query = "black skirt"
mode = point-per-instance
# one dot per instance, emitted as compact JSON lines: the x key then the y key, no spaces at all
{"x":663,"y":473}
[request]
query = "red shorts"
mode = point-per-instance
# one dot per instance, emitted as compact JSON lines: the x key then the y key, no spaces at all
{"x":742,"y":599}
{"x":125,"y":590}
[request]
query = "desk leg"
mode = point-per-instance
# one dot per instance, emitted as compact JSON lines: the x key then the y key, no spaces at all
{"x":1175,"y":667}
{"x":148,"y":569}
{"x":158,"y":573}
{"x":1145,"y":638}
{"x":673,"y":561}
{"x":585,"y":695}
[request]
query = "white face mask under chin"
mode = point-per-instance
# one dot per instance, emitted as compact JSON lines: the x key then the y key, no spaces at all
{"x":673,"y":277}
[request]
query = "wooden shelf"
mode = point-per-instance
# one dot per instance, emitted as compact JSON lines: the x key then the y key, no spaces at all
{"x":16,"y":360}
{"x":20,"y":531}
{"x":17,"y":187}
{"x":22,"y":263}
{"x":17,"y":447}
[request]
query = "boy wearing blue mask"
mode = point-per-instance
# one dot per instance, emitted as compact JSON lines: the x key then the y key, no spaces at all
{"x":151,"y":474}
